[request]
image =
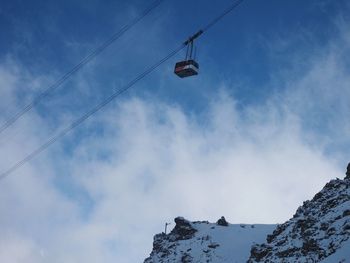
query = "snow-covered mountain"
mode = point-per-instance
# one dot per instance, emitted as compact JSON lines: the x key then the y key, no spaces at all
{"x":319,"y":229}
{"x":207,"y":242}
{"x":318,"y":232}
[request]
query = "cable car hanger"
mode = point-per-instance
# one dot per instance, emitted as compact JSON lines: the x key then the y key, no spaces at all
{"x":188,"y":67}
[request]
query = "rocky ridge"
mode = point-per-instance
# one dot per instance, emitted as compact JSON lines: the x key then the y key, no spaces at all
{"x":319,"y":231}
{"x":201,"y":241}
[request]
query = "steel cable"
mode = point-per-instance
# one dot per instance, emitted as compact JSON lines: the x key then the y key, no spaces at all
{"x":77,"y":67}
{"x":102,"y":104}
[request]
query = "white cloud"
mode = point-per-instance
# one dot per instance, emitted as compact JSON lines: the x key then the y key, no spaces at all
{"x":154,"y":161}
{"x":163,"y":163}
{"x":17,"y":250}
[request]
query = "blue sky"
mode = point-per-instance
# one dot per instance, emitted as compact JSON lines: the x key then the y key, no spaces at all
{"x":262,"y":127}
{"x":54,"y":36}
{"x":49,"y":38}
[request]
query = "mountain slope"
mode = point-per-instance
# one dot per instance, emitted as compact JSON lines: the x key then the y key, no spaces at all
{"x":318,"y":229}
{"x":207,"y":242}
{"x":318,"y":232}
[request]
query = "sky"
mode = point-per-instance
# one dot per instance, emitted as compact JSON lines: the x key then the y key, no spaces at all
{"x":260,"y":130}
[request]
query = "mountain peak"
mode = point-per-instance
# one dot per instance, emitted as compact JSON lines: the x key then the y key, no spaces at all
{"x":319,"y":231}
{"x":201,"y":241}
{"x":347,"y":177}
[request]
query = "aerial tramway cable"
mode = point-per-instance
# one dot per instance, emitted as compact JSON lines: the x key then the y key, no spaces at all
{"x":77,"y":67}
{"x":102,"y":104}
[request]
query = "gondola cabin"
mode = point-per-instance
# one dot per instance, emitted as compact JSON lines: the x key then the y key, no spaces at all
{"x":186,"y":68}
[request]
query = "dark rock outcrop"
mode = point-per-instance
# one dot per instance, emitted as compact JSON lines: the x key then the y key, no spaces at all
{"x":347,"y":177}
{"x":183,"y":229}
{"x":165,"y":245}
{"x":222,"y":222}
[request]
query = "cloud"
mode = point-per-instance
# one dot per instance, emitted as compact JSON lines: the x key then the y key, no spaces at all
{"x":315,"y":88}
{"x":144,"y":161}
{"x":163,"y":162}
{"x":16,"y":249}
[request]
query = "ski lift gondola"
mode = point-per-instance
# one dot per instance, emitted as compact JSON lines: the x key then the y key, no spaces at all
{"x":188,"y":67}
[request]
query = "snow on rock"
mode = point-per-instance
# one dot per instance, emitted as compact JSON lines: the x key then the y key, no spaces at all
{"x":318,"y":232}
{"x":207,"y":242}
{"x":342,"y":255}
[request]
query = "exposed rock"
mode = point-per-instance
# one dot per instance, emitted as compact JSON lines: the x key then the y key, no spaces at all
{"x":222,"y":222}
{"x":183,"y":229}
{"x":348,"y":172}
